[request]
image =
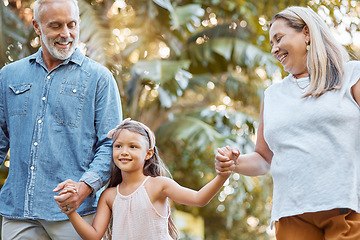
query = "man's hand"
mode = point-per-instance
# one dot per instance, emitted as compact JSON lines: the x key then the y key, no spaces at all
{"x":72,"y":195}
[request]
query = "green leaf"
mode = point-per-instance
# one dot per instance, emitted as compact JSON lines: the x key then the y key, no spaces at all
{"x":193,"y":131}
{"x":188,"y":13}
{"x":160,"y":71}
{"x":169,"y":76}
{"x":223,"y":47}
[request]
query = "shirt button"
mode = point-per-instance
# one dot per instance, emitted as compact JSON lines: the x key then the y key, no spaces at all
{"x":35,"y":143}
{"x":32,"y":168}
{"x":48,"y":77}
{"x":17,"y":91}
{"x":43,"y":98}
{"x":39,"y":121}
{"x":74,"y":90}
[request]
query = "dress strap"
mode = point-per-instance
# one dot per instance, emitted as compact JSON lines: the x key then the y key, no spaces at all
{"x":145,"y":180}
{"x":126,"y":196}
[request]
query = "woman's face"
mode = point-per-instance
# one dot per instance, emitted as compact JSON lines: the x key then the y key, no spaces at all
{"x":289,"y":47}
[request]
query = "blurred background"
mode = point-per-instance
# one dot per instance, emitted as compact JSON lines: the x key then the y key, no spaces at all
{"x":194,"y":71}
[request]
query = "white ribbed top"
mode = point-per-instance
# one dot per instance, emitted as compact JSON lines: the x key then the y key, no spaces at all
{"x":316,"y":146}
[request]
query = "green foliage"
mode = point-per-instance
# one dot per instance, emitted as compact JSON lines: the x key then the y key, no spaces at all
{"x":3,"y":174}
{"x":4,"y":169}
{"x":15,"y":36}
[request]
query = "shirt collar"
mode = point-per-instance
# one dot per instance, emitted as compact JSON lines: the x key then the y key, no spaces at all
{"x":77,"y":57}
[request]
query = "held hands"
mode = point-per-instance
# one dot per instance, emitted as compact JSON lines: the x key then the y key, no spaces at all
{"x":71,"y":196}
{"x":225,"y":160}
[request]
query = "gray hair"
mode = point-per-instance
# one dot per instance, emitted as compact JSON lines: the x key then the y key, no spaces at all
{"x":38,"y":3}
{"x":326,"y":57}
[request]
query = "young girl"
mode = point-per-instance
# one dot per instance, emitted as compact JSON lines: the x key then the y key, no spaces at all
{"x":138,"y":192}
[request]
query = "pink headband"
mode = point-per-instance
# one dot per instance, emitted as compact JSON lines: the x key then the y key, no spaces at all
{"x":126,"y":121}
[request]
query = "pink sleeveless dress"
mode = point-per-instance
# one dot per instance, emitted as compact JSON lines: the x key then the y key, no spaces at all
{"x":135,"y":218}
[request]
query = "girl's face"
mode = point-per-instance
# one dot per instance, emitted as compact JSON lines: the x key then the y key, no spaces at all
{"x":289,"y":47}
{"x":130,"y":151}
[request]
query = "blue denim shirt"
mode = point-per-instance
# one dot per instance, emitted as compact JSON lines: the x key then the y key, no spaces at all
{"x":55,"y":124}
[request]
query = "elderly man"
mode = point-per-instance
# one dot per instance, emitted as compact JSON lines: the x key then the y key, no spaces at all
{"x":56,"y":107}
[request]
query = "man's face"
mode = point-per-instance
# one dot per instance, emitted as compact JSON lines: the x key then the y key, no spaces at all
{"x":58,"y":28}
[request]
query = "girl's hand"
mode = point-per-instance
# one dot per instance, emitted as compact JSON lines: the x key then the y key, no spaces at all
{"x":225,"y":160}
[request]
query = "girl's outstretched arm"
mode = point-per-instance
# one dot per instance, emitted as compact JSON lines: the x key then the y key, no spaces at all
{"x":186,"y":196}
{"x":101,"y":221}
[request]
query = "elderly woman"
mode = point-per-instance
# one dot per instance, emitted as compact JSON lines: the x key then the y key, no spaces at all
{"x":309,"y":133}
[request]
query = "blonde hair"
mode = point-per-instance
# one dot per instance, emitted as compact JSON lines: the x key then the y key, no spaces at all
{"x":154,"y":166}
{"x":38,"y":3}
{"x":326,"y":56}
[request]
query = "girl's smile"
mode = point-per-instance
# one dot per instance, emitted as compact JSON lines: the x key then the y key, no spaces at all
{"x":125,"y":160}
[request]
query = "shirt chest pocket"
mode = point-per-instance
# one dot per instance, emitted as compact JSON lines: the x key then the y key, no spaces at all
{"x":70,"y":104}
{"x":18,"y":99}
